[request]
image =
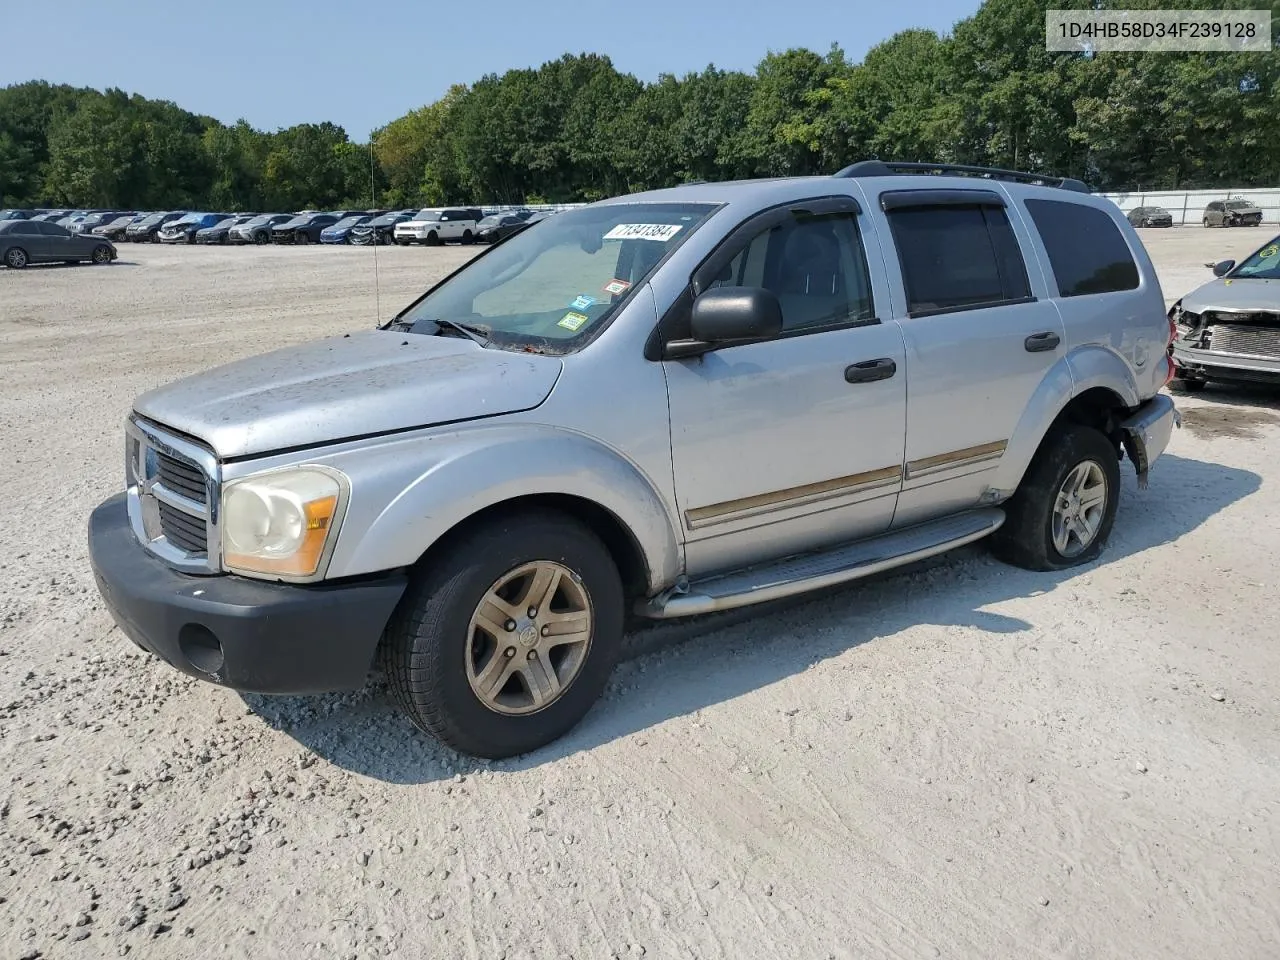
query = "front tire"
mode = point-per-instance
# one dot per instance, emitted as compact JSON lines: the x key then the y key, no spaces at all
{"x":101,"y":254}
{"x":302,"y":237}
{"x":507,"y":638}
{"x":1062,"y":514}
{"x":433,"y":239}
{"x":261,"y":239}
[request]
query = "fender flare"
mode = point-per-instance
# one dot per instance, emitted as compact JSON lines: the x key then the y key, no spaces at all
{"x":398,"y":512}
{"x":1086,"y":368}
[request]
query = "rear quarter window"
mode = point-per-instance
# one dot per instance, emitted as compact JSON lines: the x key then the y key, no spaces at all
{"x":1087,"y":252}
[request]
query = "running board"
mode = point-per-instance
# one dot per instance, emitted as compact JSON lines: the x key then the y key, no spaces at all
{"x":812,"y":571}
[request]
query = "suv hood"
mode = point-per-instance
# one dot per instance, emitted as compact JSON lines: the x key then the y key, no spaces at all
{"x":338,"y":388}
{"x":1234,"y":293}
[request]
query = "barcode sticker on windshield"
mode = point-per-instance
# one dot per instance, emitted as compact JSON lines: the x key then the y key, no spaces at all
{"x":661,"y":232}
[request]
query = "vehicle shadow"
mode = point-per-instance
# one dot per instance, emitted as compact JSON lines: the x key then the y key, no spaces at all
{"x":670,"y":670}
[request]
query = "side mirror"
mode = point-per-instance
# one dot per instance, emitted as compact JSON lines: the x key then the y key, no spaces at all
{"x":729,"y":315}
{"x":1222,"y":267}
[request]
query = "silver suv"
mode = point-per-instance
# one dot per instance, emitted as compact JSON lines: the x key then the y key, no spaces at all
{"x":670,"y":403}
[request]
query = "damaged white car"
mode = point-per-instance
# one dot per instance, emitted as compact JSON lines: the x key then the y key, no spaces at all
{"x":1229,"y":329}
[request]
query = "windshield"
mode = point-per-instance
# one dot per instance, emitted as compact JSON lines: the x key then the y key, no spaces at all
{"x":1238,"y":204}
{"x":183,"y":221}
{"x":348,"y":222}
{"x":228,"y":222}
{"x":560,"y":280}
{"x":1262,"y":265}
{"x":297,"y":221}
{"x":431,"y":216}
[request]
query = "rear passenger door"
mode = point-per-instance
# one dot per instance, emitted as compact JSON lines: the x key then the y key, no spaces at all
{"x":980,"y":332}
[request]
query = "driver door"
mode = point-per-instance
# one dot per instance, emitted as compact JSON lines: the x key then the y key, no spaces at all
{"x":798,"y":442}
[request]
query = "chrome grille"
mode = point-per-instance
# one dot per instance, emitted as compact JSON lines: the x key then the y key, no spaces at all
{"x":181,"y":476}
{"x":1247,"y":339}
{"x":172,"y":488}
{"x":183,"y":530}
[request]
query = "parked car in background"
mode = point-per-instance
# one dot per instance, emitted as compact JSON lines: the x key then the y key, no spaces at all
{"x":499,"y":226}
{"x":1232,"y":213}
{"x":15,"y":214}
{"x":258,"y":229}
{"x":50,"y":216}
{"x":1150,"y":217}
{"x":304,"y":228}
{"x":432,"y":226}
{"x":23,"y":242}
{"x":145,"y":230}
{"x":379,"y":230}
{"x":218,"y":232}
{"x":184,"y":229}
{"x":340,"y":232}
{"x":114,"y":229}
{"x":1229,"y":328}
{"x":88,"y":223}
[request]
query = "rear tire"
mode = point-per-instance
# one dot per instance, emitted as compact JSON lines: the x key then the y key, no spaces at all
{"x":1189,"y":385}
{"x":1047,"y":526}
{"x":468,"y":237}
{"x":16,"y":258}
{"x":436,"y":654}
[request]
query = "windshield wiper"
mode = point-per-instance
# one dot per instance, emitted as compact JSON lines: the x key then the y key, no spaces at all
{"x":475,"y":333}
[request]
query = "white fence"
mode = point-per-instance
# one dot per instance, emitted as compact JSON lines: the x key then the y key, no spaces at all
{"x":1187,"y":206}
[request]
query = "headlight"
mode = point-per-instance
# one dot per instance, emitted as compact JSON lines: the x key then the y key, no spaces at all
{"x":282,"y":524}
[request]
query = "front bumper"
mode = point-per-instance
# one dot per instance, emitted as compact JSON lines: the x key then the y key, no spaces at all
{"x":1225,"y":366}
{"x":240,"y":633}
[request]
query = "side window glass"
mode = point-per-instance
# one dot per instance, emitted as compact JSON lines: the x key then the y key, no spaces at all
{"x":814,"y":265}
{"x":955,"y":257}
{"x":1086,"y":250}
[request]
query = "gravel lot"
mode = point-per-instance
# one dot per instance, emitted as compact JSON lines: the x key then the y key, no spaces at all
{"x":962,"y":760}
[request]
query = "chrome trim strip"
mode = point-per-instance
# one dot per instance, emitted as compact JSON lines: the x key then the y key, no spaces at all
{"x":730,"y":510}
{"x":178,"y":501}
{"x":956,"y":458}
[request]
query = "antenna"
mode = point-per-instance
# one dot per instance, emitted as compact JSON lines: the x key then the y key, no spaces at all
{"x":373,"y":205}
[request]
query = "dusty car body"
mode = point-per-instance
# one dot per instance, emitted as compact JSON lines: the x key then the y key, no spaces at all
{"x":1232,"y":213}
{"x":1150,"y":216}
{"x":664,"y":404}
{"x":1229,"y":328}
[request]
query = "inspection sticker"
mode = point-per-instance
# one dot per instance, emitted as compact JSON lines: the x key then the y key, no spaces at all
{"x":582,"y":302}
{"x":661,"y":232}
{"x":615,"y":287}
{"x":572,"y":321}
{"x":1268,"y":253}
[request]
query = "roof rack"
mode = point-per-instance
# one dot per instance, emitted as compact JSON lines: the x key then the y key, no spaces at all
{"x":887,"y":168}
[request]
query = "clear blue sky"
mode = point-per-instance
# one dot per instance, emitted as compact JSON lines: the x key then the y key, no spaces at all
{"x":361,"y":64}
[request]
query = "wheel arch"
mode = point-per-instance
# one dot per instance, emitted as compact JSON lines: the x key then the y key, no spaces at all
{"x":1093,"y":386}
{"x":412,"y":496}
{"x":617,"y":538}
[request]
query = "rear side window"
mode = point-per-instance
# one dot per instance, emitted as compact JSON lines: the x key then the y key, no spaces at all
{"x":958,"y":257}
{"x":1086,"y":250}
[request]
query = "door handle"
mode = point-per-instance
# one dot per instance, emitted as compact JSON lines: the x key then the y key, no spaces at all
{"x":1040,"y":342}
{"x":870,"y":370}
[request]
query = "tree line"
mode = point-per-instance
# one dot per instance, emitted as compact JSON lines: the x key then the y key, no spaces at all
{"x":576,"y":128}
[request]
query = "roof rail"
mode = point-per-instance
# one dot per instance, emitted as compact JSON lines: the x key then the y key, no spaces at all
{"x":888,"y":168}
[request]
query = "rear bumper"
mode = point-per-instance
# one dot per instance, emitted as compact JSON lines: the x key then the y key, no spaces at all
{"x":1147,"y":431}
{"x":233,"y":631}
